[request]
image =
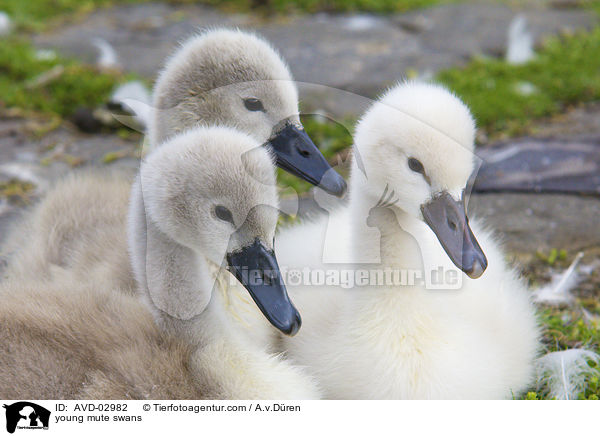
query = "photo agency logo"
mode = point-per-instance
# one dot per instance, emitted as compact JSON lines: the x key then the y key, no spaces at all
{"x":402,"y":195}
{"x":24,"y":415}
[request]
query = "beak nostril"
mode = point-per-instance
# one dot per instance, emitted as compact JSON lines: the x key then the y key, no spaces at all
{"x":304,"y":153}
{"x":451,"y":224}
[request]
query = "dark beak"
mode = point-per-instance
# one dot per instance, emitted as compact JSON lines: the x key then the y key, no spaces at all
{"x":255,"y":266}
{"x":448,"y":220}
{"x":298,"y":155}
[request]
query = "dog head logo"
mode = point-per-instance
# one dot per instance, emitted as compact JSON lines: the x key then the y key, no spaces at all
{"x":26,"y":415}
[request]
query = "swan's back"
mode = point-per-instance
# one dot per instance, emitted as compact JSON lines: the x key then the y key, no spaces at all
{"x":79,"y":226}
{"x":63,"y":341}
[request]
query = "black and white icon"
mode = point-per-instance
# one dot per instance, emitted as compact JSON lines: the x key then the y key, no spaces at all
{"x":26,"y":415}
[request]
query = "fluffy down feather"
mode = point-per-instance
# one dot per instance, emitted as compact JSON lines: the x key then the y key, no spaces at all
{"x":563,"y":374}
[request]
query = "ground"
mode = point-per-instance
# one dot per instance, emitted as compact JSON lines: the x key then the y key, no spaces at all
{"x":459,"y":44}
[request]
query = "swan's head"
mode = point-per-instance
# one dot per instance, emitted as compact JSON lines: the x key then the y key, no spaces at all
{"x":213,"y":191}
{"x":237,"y":79}
{"x":416,"y":144}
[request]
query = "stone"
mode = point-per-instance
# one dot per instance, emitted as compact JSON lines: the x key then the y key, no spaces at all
{"x":530,"y":222}
{"x":540,"y":166}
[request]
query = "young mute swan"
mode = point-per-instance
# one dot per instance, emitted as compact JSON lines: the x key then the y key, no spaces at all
{"x":472,"y":335}
{"x":236,"y":79}
{"x":224,"y":77}
{"x":189,"y":217}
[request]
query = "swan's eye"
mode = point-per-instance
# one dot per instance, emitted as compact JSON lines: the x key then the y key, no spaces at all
{"x":254,"y":104}
{"x":416,"y":165}
{"x":224,"y":214}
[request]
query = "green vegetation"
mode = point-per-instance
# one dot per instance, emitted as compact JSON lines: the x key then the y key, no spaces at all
{"x":16,"y":191}
{"x":69,"y":159}
{"x":50,"y":86}
{"x":531,"y":396}
{"x":553,"y":256}
{"x":505,"y":98}
{"x":574,"y":326}
{"x":113,"y":156}
{"x":35,"y":15}
{"x":567,"y":329}
{"x":311,"y":6}
{"x":570,"y":328}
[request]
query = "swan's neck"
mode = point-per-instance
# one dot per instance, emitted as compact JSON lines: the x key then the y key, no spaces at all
{"x":176,"y":281}
{"x":414,"y":266}
{"x":391,"y":238}
{"x":189,"y":295}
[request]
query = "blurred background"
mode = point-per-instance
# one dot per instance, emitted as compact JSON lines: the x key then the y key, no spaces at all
{"x":529,"y":70}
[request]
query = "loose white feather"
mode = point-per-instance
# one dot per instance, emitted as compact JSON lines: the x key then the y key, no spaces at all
{"x":520,"y":42}
{"x":563,"y":374}
{"x":525,"y":88}
{"x":45,"y":55}
{"x":361,"y":22}
{"x":135,"y":98}
{"x":107,"y":55}
{"x":558,"y":291}
{"x":6,"y":24}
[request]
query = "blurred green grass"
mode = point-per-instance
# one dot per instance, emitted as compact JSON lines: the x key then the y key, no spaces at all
{"x":505,"y":98}
{"x":36,"y":15}
{"x":312,"y":6}
{"x":55,"y":87}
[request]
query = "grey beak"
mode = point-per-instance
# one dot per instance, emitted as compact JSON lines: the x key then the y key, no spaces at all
{"x":298,"y":155}
{"x":255,"y":266}
{"x":448,"y":220}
